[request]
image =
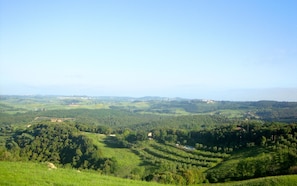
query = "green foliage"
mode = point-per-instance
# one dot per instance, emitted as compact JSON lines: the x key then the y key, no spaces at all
{"x":127,"y":161}
{"x":178,"y":141}
{"x":290,"y":180}
{"x":175,"y":165}
{"x":265,"y":110}
{"x":28,"y":173}
{"x":60,"y":143}
{"x":252,"y":163}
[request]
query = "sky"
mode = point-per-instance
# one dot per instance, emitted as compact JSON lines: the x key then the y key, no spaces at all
{"x":201,"y":49}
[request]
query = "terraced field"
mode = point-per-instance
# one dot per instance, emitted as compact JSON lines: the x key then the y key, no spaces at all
{"x":158,"y":153}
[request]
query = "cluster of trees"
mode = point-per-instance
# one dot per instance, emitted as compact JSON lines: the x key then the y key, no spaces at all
{"x":18,"y":118}
{"x":171,"y":163}
{"x":119,"y":119}
{"x":266,"y":110}
{"x":265,"y":164}
{"x":214,"y":138}
{"x":181,"y":177}
{"x":222,"y":138}
{"x":279,"y":139}
{"x":92,"y":128}
{"x":59,"y":143}
{"x":226,"y":138}
{"x":170,"y":169}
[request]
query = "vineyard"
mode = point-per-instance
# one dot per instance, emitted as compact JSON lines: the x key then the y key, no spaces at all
{"x":177,"y":155}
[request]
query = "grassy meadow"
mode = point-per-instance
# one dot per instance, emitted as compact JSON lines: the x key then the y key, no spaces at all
{"x":127,"y":160}
{"x":29,"y":173}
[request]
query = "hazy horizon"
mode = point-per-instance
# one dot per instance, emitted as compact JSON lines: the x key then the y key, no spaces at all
{"x":219,"y":50}
{"x":236,"y":95}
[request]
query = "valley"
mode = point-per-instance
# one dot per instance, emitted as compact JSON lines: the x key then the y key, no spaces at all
{"x":148,"y":140}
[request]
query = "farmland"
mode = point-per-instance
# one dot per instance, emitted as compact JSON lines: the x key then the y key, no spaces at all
{"x":147,"y":140}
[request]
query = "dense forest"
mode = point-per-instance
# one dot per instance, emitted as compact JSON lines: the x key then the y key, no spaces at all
{"x":207,"y":142}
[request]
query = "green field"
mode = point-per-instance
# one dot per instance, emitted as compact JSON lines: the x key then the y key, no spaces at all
{"x":289,"y":180}
{"x":177,"y":141}
{"x":126,"y":159}
{"x":28,"y":173}
{"x":267,"y":110}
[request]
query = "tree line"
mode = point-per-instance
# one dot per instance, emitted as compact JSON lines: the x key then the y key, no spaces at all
{"x":59,"y":143}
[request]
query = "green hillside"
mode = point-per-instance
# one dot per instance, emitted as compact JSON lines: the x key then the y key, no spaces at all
{"x":265,"y":110}
{"x":29,"y":173}
{"x":127,"y":161}
{"x":146,"y":140}
{"x":173,"y":156}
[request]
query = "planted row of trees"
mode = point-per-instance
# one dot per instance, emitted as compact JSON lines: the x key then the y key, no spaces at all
{"x":169,"y":171}
{"x":213,"y":145}
{"x":280,"y":162}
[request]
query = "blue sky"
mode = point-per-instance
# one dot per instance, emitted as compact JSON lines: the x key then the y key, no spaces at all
{"x":217,"y":49}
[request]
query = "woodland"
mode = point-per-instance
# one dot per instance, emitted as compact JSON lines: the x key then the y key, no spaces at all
{"x":165,"y":140}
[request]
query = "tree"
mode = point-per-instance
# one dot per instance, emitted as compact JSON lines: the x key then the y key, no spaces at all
{"x":263,"y":141}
